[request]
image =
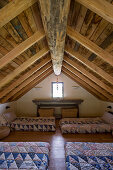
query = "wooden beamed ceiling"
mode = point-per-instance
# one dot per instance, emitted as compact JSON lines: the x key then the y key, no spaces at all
{"x":27,"y":82}
{"x":54,"y":17}
{"x":72,"y":37}
{"x":82,"y":83}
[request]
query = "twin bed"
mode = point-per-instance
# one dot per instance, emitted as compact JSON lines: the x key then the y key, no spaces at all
{"x":68,"y":123}
{"x":78,"y":155}
{"x":35,"y":156}
{"x":46,"y":123}
{"x":89,"y":156}
{"x":34,"y":124}
{"x":24,"y":155}
{"x":85,"y":125}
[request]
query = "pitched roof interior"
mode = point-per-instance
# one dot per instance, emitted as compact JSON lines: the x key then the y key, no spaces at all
{"x":91,"y":69}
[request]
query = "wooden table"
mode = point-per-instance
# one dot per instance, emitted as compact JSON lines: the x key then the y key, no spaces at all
{"x":58,"y":103}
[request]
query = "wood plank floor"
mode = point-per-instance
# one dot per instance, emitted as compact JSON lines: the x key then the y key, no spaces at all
{"x":57,"y":141}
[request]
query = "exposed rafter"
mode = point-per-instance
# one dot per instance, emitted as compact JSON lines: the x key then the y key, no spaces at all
{"x":27,"y":81}
{"x":24,"y":77}
{"x":32,"y":84}
{"x":101,"y":7}
{"x":83,"y":84}
{"x":90,"y":65}
{"x":90,"y":45}
{"x":21,"y":48}
{"x":99,"y":91}
{"x":36,"y":15}
{"x":24,"y":66}
{"x":13,"y":9}
{"x":90,"y":76}
{"x":54,"y":17}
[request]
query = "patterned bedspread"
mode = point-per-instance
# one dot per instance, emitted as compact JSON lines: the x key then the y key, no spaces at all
{"x":96,"y":120}
{"x":24,"y":155}
{"x":34,"y":124}
{"x":84,"y":125}
{"x":89,"y":156}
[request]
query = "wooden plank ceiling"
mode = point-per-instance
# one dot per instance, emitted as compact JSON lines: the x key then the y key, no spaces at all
{"x":75,"y":38}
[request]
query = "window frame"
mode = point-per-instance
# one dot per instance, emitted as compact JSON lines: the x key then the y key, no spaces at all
{"x":62,"y":90}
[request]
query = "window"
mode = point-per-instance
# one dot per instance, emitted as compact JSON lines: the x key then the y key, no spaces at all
{"x":57,"y":89}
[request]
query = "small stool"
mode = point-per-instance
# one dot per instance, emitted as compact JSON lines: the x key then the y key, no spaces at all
{"x":4,"y":131}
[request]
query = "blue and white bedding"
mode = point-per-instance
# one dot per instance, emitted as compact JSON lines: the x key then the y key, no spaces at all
{"x":24,"y":155}
{"x":89,"y":156}
{"x":33,"y":124}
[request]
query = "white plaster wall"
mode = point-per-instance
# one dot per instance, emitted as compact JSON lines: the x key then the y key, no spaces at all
{"x":90,"y":107}
{"x":3,"y":107}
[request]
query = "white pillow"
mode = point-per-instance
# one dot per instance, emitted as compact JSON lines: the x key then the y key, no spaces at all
{"x":108,"y":117}
{"x":10,"y":116}
{"x":3,"y":121}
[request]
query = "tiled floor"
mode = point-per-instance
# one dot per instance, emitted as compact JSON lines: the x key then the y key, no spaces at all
{"x":57,"y":142}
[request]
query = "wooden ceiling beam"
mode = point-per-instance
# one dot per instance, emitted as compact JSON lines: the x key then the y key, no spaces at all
{"x":26,"y":82}
{"x":82,"y":83}
{"x":30,"y":87}
{"x":24,"y":66}
{"x":54,"y":17}
{"x":100,"y":7}
{"x":95,"y":88}
{"x":32,"y":84}
{"x":103,"y":54}
{"x":24,"y":77}
{"x":21,"y":48}
{"x":37,"y":16}
{"x":12,"y":9}
{"x":90,"y":76}
{"x":89,"y":64}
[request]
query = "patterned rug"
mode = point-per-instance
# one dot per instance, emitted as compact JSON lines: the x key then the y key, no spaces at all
{"x":24,"y":155}
{"x":89,"y":156}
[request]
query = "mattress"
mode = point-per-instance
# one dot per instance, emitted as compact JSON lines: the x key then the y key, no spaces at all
{"x":24,"y":155}
{"x":84,"y":125}
{"x":33,"y":124}
{"x":89,"y":156}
